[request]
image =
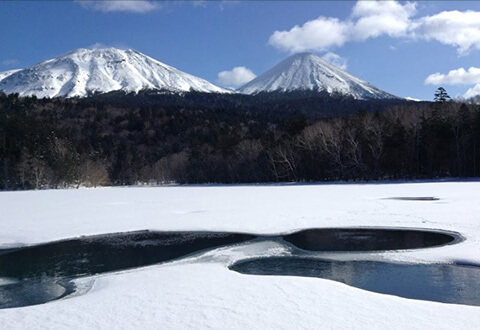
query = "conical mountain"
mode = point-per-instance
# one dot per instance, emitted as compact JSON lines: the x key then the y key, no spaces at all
{"x":308,"y":72}
{"x":88,"y":71}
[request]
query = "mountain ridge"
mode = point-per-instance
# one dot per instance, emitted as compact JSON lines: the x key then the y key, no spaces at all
{"x":5,"y":74}
{"x":86,"y":72}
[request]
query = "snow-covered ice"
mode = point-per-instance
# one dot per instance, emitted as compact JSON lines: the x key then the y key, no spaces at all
{"x":201,"y":292}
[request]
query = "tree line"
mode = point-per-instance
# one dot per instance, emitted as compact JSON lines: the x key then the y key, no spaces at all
{"x":71,"y":143}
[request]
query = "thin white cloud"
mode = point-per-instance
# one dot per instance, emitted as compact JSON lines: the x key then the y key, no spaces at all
{"x":100,"y":45}
{"x":220,"y":5}
{"x":199,"y":3}
{"x":373,"y":19}
{"x":336,"y":60}
{"x":130,"y":6}
{"x":455,"y":77}
{"x":236,"y":77}
{"x":9,"y":62}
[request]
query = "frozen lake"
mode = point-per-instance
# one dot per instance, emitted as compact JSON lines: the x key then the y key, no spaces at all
{"x":198,"y":290}
{"x":43,"y":273}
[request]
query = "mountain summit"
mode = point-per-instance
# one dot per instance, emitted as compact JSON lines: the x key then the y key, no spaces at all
{"x":88,"y":71}
{"x":307,"y":71}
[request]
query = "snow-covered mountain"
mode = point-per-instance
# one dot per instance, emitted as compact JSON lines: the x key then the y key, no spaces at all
{"x":87,"y":71}
{"x":309,"y":72}
{"x":5,"y":74}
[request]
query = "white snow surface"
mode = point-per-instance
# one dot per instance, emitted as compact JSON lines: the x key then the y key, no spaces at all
{"x":408,"y":98}
{"x":5,"y":74}
{"x":307,"y":71}
{"x":200,"y":292}
{"x":87,"y":71}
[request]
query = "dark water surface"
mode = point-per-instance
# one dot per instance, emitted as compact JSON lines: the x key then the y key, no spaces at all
{"x":434,"y":282}
{"x":38,"y":274}
{"x":34,"y":292}
{"x":106,"y":253}
{"x":368,"y":239}
{"x":418,"y":199}
{"x":39,"y":267}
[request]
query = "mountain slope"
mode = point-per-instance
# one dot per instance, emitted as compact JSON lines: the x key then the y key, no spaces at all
{"x":309,"y":72}
{"x":5,"y":74}
{"x":87,"y":71}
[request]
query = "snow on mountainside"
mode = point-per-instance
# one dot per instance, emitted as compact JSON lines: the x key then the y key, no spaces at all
{"x":5,"y":74}
{"x":309,"y":72}
{"x":87,"y":71}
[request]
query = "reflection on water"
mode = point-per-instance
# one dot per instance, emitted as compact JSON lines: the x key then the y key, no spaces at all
{"x":43,"y":272}
{"x":7,"y":281}
{"x":434,"y":282}
{"x":38,"y":274}
{"x":367,"y":239}
{"x":106,"y":253}
{"x":33,"y":292}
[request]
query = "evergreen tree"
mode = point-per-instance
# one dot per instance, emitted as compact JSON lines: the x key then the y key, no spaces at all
{"x":441,"y":95}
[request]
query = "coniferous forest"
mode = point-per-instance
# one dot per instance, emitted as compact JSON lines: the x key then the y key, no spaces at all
{"x":155,"y":139}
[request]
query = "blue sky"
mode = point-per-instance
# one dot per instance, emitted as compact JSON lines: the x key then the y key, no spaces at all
{"x":395,"y":46}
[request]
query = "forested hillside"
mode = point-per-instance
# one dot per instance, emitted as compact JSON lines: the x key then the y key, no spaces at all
{"x":122,"y":140}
